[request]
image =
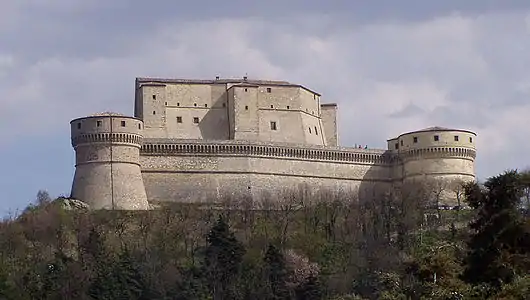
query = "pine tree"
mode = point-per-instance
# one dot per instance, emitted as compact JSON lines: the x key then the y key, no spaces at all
{"x":222,"y":260}
{"x":276,"y":274}
{"x":499,"y":232}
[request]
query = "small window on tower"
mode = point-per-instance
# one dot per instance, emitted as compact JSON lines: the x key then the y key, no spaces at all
{"x":246,"y":107}
{"x":98,"y":123}
{"x":401,"y":143}
{"x":309,"y":129}
{"x":470,"y":139}
{"x":396,"y":146}
{"x":139,"y":126}
{"x":272,"y":106}
{"x":269,"y":90}
{"x":316,"y":131}
{"x":287,"y":106}
{"x":154,"y":112}
{"x":273,"y":125}
{"x":194,"y":104}
{"x":246,"y":90}
{"x":436,"y":138}
{"x":179,"y":119}
{"x":154,"y":97}
{"x":205,"y":105}
{"x":196,"y":120}
{"x":456,"y":138}
{"x":78,"y":125}
{"x":178,"y":104}
{"x":122,"y":123}
{"x":415,"y":139}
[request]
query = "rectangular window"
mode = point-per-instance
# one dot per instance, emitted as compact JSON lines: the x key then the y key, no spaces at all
{"x":154,"y":112}
{"x":401,"y":143}
{"x":246,"y":90}
{"x":269,"y":90}
{"x":98,"y":123}
{"x":316,"y":131}
{"x":139,"y":126}
{"x":196,"y":120}
{"x":273,"y":125}
{"x":179,"y":119}
{"x":436,"y":138}
{"x":154,"y":97}
{"x":205,"y":105}
{"x":415,"y":139}
{"x":246,"y":107}
{"x":456,"y":138}
{"x":122,"y":123}
{"x":396,"y":146}
{"x":288,"y":107}
{"x":470,"y":139}
{"x":178,"y":104}
{"x":309,"y":129}
{"x":78,"y":125}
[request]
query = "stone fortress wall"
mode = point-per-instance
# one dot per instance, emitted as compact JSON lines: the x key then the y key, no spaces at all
{"x":198,"y":140}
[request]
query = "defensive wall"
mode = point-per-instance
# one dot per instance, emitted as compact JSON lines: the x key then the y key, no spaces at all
{"x":203,"y":140}
{"x":197,"y":170}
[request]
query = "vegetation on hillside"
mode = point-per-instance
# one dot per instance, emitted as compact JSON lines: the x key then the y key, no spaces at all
{"x":304,"y":246}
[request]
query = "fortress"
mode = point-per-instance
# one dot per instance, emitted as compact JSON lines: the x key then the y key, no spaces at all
{"x":198,"y":140}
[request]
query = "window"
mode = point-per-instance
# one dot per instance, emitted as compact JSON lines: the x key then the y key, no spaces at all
{"x":178,"y":104}
{"x":196,"y":120}
{"x":396,"y":146}
{"x":316,"y":131}
{"x":415,"y":139}
{"x":154,"y":97}
{"x":154,"y":112}
{"x":246,"y":90}
{"x":205,"y":105}
{"x":269,"y":90}
{"x":122,"y":123}
{"x":166,"y":103}
{"x":309,"y":129}
{"x":194,"y":104}
{"x":179,"y":119}
{"x":273,"y":125}
{"x":456,"y":138}
{"x":272,"y":106}
{"x":246,"y":107}
{"x":470,"y":139}
{"x":287,"y":106}
{"x":98,"y":123}
{"x":436,"y":138}
{"x":315,"y":96}
{"x":139,"y":126}
{"x":401,"y":143}
{"x":78,"y":125}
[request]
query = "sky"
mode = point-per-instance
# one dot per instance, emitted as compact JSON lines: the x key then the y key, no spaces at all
{"x":392,"y":67}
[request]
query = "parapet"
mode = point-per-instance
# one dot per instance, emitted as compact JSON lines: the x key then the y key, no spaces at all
{"x":433,"y":137}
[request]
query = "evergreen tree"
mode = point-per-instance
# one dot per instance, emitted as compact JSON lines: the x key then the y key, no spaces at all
{"x":276,"y":274}
{"x":222,"y":260}
{"x":500,"y":237}
{"x":119,"y":280}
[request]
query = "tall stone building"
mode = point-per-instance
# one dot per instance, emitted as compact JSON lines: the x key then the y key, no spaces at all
{"x":201,"y":140}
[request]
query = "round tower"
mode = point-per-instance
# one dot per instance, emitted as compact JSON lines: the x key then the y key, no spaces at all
{"x":439,"y":155}
{"x":107,"y":169}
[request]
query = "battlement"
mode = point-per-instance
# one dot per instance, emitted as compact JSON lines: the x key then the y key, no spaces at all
{"x":256,"y":149}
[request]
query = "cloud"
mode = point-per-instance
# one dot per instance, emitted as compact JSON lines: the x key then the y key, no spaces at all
{"x":388,"y":75}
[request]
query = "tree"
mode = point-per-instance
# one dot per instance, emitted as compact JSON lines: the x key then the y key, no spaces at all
{"x":222,"y":259}
{"x":276,"y":274}
{"x":500,"y":237}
